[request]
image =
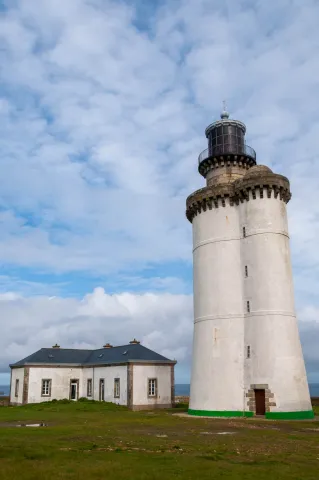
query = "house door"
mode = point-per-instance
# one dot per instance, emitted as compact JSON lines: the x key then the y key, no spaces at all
{"x":101,"y":395}
{"x":260,"y":401}
{"x":74,"y":391}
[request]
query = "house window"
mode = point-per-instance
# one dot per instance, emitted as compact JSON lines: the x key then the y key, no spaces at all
{"x":248,"y":307}
{"x":152,"y":387}
{"x":16,"y":392}
{"x":46,"y":388}
{"x":244,"y":231}
{"x":89,"y":388}
{"x":248,"y":351}
{"x":246,"y":271}
{"x":116,"y":387}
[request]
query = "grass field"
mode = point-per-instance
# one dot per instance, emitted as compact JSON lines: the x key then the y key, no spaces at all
{"x":88,"y":440}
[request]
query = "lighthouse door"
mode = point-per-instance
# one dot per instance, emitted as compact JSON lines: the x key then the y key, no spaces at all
{"x":260,"y":400}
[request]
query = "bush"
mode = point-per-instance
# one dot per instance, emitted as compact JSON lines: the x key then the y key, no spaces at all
{"x":54,"y":402}
{"x":181,"y":405}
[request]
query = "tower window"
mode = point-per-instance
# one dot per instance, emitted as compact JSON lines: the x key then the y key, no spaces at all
{"x":246,"y":271}
{"x":248,"y":351}
{"x":215,"y":335}
{"x":244,"y":232}
{"x":248,"y":306}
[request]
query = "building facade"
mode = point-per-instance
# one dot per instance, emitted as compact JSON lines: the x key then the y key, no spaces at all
{"x":130,"y":375}
{"x":247,"y":356}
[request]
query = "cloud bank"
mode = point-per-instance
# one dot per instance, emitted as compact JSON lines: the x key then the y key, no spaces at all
{"x":161,"y":322}
{"x":103,"y":106}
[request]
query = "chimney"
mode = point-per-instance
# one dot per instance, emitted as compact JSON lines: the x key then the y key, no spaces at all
{"x":56,"y":346}
{"x":107,"y":345}
{"x":134,"y":342}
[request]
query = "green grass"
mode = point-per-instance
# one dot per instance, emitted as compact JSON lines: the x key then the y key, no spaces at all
{"x":90,"y":440}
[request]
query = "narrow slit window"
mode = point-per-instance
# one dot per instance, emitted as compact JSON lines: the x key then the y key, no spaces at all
{"x":16,"y":393}
{"x":248,"y":351}
{"x":244,"y":232}
{"x":248,"y":306}
{"x":246,"y":271}
{"x":215,"y":337}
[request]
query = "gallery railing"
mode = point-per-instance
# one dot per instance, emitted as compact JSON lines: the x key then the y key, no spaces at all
{"x":227,"y":150}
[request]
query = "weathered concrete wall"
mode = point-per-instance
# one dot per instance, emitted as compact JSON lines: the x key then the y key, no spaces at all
{"x":61,"y":378}
{"x":218,"y":345}
{"x":86,"y":374}
{"x":109,"y":374}
{"x":60,"y":382}
{"x":271,"y":327}
{"x":225,"y":174}
{"x":243,"y":296}
{"x":17,"y":374}
{"x":141,"y":374}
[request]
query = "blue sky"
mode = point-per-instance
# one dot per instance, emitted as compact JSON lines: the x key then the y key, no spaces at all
{"x":103,"y":107}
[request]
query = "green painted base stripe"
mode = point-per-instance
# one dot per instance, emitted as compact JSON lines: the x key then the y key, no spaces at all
{"x":219,"y":413}
{"x":290,"y":415}
{"x":304,"y":415}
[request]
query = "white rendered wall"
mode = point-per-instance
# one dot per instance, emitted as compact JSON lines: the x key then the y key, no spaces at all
{"x":60,"y":382}
{"x":217,"y":380}
{"x":109,"y":374}
{"x":141,"y":374}
{"x":271,"y":327}
{"x":16,"y":374}
{"x":61,"y":377}
{"x":87,"y":373}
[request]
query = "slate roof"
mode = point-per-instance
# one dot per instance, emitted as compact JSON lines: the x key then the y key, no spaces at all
{"x":103,"y":356}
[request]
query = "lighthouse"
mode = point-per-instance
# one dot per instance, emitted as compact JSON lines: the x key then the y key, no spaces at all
{"x":247,"y":357}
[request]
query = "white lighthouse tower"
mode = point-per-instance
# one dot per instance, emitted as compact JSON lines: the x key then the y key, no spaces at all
{"x":247,"y":357}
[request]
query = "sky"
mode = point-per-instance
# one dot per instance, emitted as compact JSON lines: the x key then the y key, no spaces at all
{"x":103,"y":107}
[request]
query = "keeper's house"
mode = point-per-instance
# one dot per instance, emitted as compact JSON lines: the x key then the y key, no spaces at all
{"x":129,"y":375}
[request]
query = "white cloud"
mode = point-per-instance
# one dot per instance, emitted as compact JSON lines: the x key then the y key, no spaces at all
{"x":103,"y":122}
{"x":101,"y":125}
{"x":162,"y":322}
